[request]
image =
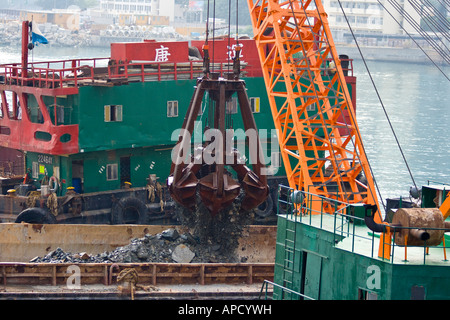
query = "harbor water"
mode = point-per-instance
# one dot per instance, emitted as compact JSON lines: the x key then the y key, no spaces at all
{"x":416,"y":98}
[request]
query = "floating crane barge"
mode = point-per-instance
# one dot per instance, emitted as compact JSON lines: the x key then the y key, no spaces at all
{"x":332,"y":241}
{"x":76,"y":194}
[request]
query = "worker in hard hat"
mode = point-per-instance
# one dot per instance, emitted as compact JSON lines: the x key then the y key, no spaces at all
{"x":127,"y":185}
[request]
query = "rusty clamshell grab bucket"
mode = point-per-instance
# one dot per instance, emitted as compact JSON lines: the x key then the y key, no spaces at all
{"x":212,"y":182}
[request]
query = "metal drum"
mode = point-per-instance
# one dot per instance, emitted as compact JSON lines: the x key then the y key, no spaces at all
{"x":420,"y":225}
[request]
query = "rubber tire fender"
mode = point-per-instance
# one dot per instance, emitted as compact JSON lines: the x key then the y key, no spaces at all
{"x":36,"y":215}
{"x":267,"y":207}
{"x":55,"y":182}
{"x":125,"y":204}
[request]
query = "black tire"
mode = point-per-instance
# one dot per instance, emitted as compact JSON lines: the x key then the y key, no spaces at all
{"x":265,"y":209}
{"x":36,"y":215}
{"x":283,"y":206}
{"x":129,"y":210}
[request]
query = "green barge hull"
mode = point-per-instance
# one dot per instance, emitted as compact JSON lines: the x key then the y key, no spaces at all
{"x":336,"y":257}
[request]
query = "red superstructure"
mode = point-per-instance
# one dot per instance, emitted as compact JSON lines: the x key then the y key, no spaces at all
{"x":22,"y":82}
{"x":27,"y":85}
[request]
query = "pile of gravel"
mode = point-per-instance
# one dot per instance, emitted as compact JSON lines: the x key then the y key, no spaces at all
{"x":223,"y":229}
{"x":209,"y":239}
{"x":168,"y":246}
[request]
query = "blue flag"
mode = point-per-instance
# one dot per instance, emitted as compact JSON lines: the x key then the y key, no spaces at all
{"x":36,"y":35}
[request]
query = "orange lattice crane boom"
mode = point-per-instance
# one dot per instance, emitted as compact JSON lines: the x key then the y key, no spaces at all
{"x":318,"y":135}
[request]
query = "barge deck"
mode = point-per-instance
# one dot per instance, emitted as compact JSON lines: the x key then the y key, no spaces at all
{"x":21,"y":279}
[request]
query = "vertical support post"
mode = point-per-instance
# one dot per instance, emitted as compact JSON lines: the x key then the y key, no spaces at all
{"x":55,"y":113}
{"x":250,"y":274}
{"x":25,"y":35}
{"x":202,"y":274}
{"x":4,"y":274}
{"x":105,"y":275}
{"x":14,"y":105}
{"x":443,"y":246}
{"x":111,"y":270}
{"x":406,"y":248}
{"x":154,"y":275}
{"x":384,"y":249}
{"x":54,"y":275}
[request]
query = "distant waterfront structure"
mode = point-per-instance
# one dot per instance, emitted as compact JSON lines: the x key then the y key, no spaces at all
{"x":141,"y":11}
{"x":383,"y":36}
{"x":379,"y":24}
{"x":65,"y":18}
{"x":365,"y":17}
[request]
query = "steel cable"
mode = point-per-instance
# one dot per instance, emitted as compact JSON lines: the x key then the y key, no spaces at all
{"x":417,"y":27}
{"x":412,"y":38}
{"x":428,"y":6}
{"x":378,"y":95}
{"x":427,"y":14}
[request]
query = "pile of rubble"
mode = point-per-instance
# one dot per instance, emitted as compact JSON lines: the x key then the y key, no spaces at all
{"x":208,"y":239}
{"x":11,"y":33}
{"x":168,"y":246}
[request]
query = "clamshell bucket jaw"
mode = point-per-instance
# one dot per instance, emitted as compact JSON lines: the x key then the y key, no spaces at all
{"x":212,"y":183}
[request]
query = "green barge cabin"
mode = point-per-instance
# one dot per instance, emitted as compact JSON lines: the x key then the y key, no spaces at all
{"x":95,"y":132}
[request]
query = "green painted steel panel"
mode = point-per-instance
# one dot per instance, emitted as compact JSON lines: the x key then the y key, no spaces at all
{"x":345,"y":275}
{"x":144,"y":114}
{"x":145,"y":132}
{"x":313,"y":270}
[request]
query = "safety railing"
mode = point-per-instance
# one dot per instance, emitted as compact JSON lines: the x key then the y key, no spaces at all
{"x":294,"y":202}
{"x":70,"y":63}
{"x":353,"y":229}
{"x":11,"y":168}
{"x":155,"y":71}
{"x":51,"y":74}
{"x":289,"y":296}
{"x":346,"y":65}
{"x":159,"y":71}
{"x":437,"y":182}
{"x":57,"y":74}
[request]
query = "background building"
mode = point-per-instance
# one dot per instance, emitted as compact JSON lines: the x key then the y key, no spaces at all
{"x":138,"y":11}
{"x":365,"y":17}
{"x":65,"y":18}
{"x":369,"y":19}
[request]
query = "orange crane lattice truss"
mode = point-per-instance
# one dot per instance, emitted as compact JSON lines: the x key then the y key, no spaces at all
{"x":318,"y":135}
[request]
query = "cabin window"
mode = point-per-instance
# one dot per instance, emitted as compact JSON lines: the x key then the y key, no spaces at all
{"x":113,"y":113}
{"x":232,"y":106}
{"x":254,"y":104}
{"x":35,"y":170}
{"x":58,"y":112}
{"x":111,"y":172}
{"x":172,"y":109}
